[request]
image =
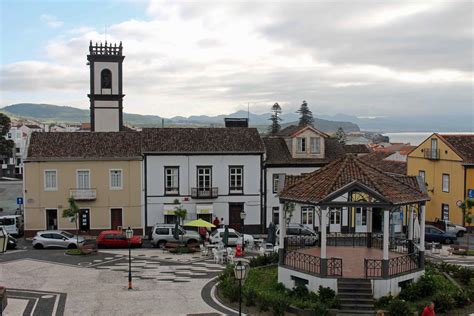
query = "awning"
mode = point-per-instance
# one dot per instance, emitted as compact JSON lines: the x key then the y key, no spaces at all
{"x":169,"y":209}
{"x":204,"y":209}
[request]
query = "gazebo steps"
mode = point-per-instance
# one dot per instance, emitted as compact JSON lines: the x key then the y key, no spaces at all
{"x":355,"y":296}
{"x":358,"y":313}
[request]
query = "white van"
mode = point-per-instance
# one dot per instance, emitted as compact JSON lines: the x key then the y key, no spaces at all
{"x":13,"y":224}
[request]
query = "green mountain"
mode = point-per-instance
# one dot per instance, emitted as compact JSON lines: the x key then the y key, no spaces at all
{"x":49,"y":113}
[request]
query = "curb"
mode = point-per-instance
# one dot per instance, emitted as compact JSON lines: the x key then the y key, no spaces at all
{"x":208,"y":294}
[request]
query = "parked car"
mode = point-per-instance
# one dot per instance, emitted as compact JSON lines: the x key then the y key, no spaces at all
{"x":447,"y":226}
{"x":164,"y":233}
{"x":117,"y":239}
{"x":56,"y":239}
{"x":433,"y":234}
{"x":234,"y":237}
{"x":301,"y":232}
{"x":13,"y":224}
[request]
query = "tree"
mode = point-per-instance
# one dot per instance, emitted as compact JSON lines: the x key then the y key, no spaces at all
{"x":275,"y":118}
{"x":6,"y":145}
{"x":466,"y":207}
{"x":306,"y":116}
{"x":341,"y":136}
{"x":180,"y":212}
{"x":73,"y":213}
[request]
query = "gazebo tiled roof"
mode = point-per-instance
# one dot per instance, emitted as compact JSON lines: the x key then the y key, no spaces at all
{"x":321,"y":184}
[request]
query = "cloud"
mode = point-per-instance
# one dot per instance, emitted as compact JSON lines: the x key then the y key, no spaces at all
{"x":367,"y":58}
{"x":51,"y":20}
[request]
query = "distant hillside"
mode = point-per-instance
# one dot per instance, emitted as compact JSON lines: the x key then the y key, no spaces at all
{"x":50,"y":113}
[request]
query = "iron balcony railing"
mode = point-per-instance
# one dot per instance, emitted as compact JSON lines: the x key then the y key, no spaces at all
{"x":303,"y":262}
{"x":83,"y":194}
{"x":431,"y":153}
{"x":204,"y":193}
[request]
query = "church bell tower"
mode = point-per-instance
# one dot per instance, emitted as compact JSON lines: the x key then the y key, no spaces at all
{"x":106,"y":94}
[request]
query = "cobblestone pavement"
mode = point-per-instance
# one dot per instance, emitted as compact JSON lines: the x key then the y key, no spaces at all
{"x":48,"y":282}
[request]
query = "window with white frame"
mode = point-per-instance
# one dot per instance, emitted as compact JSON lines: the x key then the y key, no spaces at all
{"x":276,"y":181}
{"x":307,"y":213}
{"x":236,"y":179}
{"x":301,"y":141}
{"x":335,"y":216}
{"x":445,"y":182}
{"x":83,"y":179}
{"x":115,"y":179}
{"x":315,"y":145}
{"x":50,"y":180}
{"x":276,"y":215}
{"x":171,"y":180}
{"x":421,"y":173}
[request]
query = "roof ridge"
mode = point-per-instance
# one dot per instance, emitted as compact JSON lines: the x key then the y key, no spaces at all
{"x":362,"y":170}
{"x":339,"y":172}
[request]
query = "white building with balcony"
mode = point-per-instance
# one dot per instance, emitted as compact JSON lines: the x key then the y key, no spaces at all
{"x":212,"y":172}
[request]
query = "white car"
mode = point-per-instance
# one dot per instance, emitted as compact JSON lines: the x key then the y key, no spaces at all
{"x":234,"y":237}
{"x":56,"y":239}
{"x":454,"y":228}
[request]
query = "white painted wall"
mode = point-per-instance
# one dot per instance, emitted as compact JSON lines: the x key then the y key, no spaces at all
{"x":188,"y":179}
{"x":284,"y":276}
{"x":384,"y":287}
{"x":272,"y":198}
{"x":98,"y":67}
{"x":106,"y":120}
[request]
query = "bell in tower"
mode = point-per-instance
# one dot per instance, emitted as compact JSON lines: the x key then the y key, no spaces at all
{"x":106,"y":94}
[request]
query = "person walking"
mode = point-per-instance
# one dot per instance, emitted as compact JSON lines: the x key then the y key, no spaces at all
{"x":429,"y":310}
{"x":216,"y":223}
{"x":222,"y":222}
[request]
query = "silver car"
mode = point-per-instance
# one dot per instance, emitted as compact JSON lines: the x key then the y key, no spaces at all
{"x":164,"y":233}
{"x":56,"y":239}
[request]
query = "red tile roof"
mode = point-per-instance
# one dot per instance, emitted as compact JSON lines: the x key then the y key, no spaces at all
{"x":84,"y":146}
{"x":202,"y":140}
{"x":462,"y":144}
{"x":357,"y":149}
{"x":321,"y":183}
{"x":377,"y":159}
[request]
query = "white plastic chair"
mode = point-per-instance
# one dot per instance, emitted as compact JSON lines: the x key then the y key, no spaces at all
{"x":204,"y":250}
{"x":219,"y":256}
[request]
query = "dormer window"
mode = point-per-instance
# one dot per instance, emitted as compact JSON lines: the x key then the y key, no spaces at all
{"x":315,"y":145}
{"x":301,"y":144}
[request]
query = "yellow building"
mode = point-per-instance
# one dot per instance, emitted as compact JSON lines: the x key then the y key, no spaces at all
{"x":101,"y":170}
{"x":446,"y":162}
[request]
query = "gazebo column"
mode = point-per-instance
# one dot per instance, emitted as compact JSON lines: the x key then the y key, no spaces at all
{"x":324,"y":263}
{"x":422,"y":236}
{"x":410,"y":229}
{"x":281,"y":241}
{"x":386,"y":242}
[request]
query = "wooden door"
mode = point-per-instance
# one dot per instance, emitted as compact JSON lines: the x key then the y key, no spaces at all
{"x":115,"y":218}
{"x":234,"y":216}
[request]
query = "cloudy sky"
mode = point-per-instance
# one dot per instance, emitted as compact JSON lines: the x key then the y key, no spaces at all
{"x":366,"y":58}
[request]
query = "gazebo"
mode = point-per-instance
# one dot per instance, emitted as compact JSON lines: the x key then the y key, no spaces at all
{"x":364,"y":249}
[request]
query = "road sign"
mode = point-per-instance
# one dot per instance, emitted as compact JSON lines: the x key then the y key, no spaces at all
{"x":19,"y":200}
{"x":470,"y":193}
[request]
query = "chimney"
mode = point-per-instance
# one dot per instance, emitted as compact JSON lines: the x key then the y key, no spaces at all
{"x":236,"y":122}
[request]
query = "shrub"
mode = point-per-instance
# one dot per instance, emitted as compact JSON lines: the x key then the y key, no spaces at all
{"x":263,"y":300}
{"x":279,"y":304}
{"x":229,"y":289}
{"x":443,"y":301}
{"x":383,"y":302}
{"x":249,"y":295}
{"x":399,"y":308}
{"x":464,"y":275}
{"x":264,"y":260}
{"x":326,"y":293}
{"x":461,"y":298}
{"x":320,"y":309}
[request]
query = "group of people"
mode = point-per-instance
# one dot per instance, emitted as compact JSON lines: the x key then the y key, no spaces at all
{"x":203,"y":232}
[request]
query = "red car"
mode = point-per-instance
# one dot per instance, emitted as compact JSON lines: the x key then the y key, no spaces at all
{"x":117,"y":239}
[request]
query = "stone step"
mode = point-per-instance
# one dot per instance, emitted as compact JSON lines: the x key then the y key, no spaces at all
{"x":352,"y":288}
{"x":355,"y":295}
{"x":356,"y":300}
{"x":357,"y":307}
{"x":358,"y":313}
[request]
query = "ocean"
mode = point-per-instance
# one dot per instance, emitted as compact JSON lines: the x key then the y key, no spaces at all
{"x":414,"y":138}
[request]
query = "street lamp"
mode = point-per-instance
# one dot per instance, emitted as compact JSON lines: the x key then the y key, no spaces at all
{"x":242,"y":217}
{"x":240,"y":272}
{"x":129,"y":235}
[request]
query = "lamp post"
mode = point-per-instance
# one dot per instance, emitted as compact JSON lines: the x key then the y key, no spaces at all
{"x":242,"y":217}
{"x":129,"y":235}
{"x":240,"y":271}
